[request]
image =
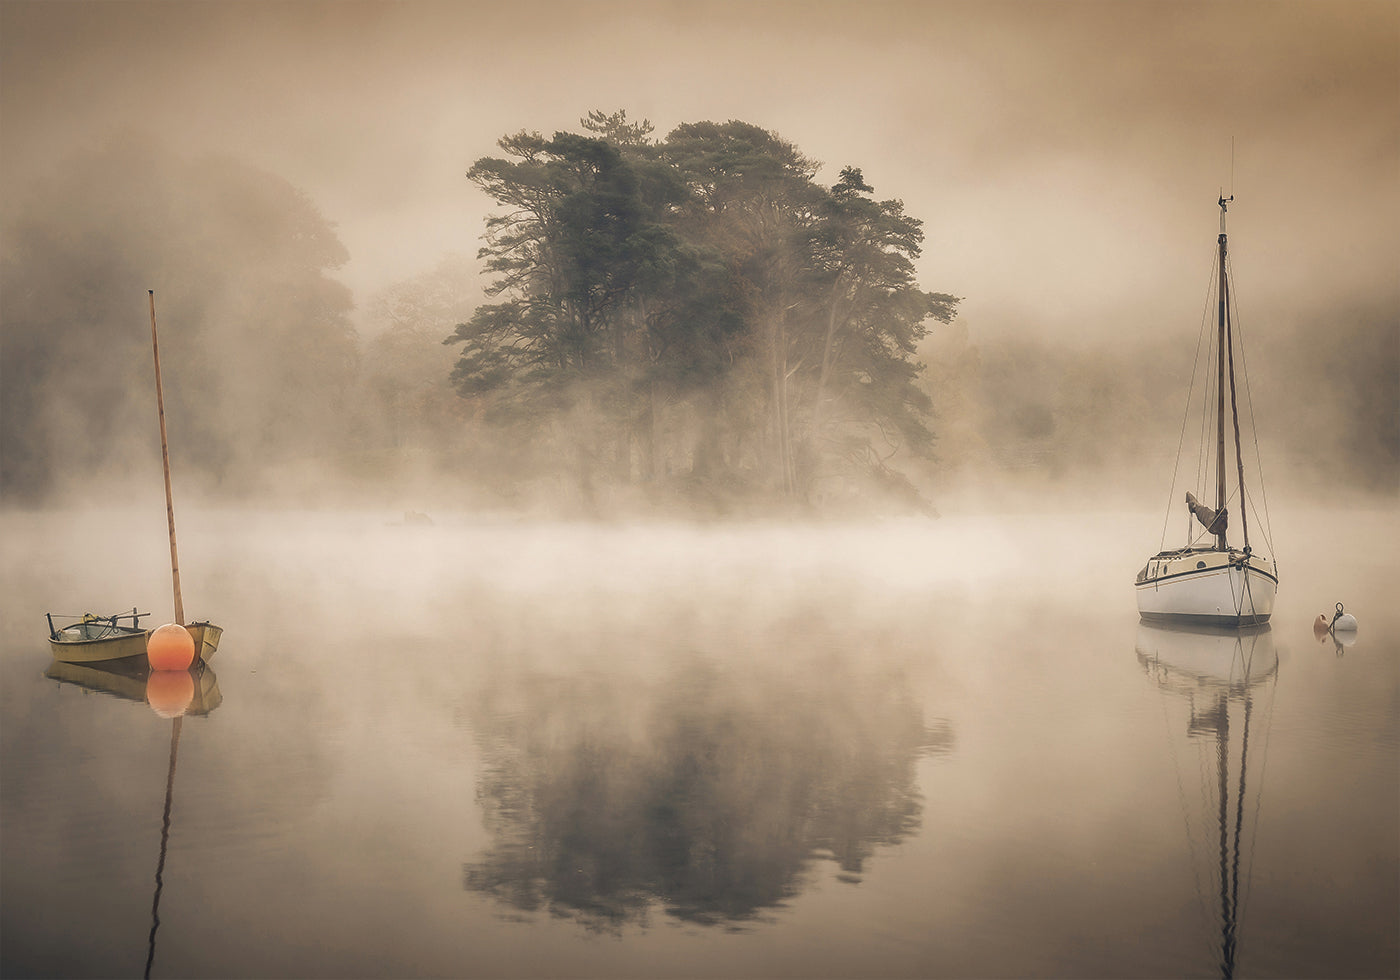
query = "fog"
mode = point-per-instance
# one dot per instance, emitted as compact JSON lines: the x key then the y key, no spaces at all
{"x":1065,"y":159}
{"x":470,"y":748}
{"x":798,"y":637}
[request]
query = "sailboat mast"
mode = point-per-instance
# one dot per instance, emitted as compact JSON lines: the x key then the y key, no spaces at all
{"x":1235,"y":416}
{"x":1220,"y":498}
{"x":165,"y":459}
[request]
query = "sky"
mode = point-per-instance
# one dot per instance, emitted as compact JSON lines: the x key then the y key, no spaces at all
{"x":1066,"y":157}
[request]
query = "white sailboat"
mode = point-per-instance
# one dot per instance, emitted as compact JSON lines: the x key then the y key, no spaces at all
{"x":1209,"y":581}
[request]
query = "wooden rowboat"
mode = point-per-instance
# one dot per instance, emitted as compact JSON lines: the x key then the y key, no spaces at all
{"x":93,"y":639}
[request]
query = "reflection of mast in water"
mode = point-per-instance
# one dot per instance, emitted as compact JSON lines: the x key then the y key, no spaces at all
{"x":164,"y":840}
{"x":1216,"y":670}
{"x":171,"y":694}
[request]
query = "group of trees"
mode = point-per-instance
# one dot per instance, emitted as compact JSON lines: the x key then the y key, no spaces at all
{"x":698,"y":310}
{"x":694,"y":313}
{"x":259,"y":357}
{"x":691,"y":318}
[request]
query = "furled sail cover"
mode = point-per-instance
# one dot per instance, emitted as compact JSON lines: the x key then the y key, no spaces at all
{"x":1213,"y":523}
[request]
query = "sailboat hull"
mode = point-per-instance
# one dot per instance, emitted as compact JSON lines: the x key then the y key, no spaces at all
{"x":1207,"y":588}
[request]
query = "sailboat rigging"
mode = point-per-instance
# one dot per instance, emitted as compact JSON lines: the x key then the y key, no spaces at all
{"x":1208,"y":581}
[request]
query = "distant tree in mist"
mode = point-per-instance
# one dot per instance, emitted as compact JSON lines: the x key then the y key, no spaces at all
{"x":1028,"y":411}
{"x":1025,"y":411}
{"x":699,"y":308}
{"x":258,"y":354}
{"x":404,"y":364}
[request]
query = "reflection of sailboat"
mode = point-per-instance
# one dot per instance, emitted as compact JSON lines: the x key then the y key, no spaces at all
{"x":127,"y":679}
{"x":1218,"y":672}
{"x":1209,"y":581}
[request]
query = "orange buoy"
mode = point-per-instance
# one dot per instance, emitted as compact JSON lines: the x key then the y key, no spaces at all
{"x":170,"y":692}
{"x":170,"y":647}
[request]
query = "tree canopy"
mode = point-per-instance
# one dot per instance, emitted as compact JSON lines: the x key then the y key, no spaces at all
{"x":698,"y":308}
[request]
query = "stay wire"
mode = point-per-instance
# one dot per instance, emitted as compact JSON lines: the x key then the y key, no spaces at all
{"x":1186,"y":415}
{"x":1267,"y":526}
{"x":1204,"y":456}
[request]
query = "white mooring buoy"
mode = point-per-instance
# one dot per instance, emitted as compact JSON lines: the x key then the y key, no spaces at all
{"x":1343,"y":622}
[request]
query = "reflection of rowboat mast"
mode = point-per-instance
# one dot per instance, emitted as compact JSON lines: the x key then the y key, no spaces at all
{"x":1215,"y":671}
{"x":164,"y":841}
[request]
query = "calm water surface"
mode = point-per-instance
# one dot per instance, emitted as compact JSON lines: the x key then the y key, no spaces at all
{"x":487,"y":748}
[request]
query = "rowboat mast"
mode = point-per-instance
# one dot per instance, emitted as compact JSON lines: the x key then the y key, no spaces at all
{"x":165,"y":459}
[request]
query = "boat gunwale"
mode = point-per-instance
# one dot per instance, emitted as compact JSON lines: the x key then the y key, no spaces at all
{"x":126,"y":633}
{"x":128,"y":645}
{"x":1206,"y":572}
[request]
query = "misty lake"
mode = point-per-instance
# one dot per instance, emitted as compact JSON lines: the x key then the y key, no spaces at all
{"x":498,"y":748}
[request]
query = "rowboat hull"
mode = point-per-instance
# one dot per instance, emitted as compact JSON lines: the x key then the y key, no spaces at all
{"x":85,"y":643}
{"x":1207,"y":588}
{"x":206,"y":639}
{"x":95,"y":642}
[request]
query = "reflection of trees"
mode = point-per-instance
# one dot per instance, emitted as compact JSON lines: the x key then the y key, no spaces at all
{"x":709,"y":791}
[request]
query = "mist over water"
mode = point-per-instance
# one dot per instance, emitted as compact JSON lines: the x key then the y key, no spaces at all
{"x":506,"y":748}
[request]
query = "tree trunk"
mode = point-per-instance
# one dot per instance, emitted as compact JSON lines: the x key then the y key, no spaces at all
{"x":828,"y":358}
{"x":655,"y":458}
{"x":622,"y":461}
{"x":781,"y":418}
